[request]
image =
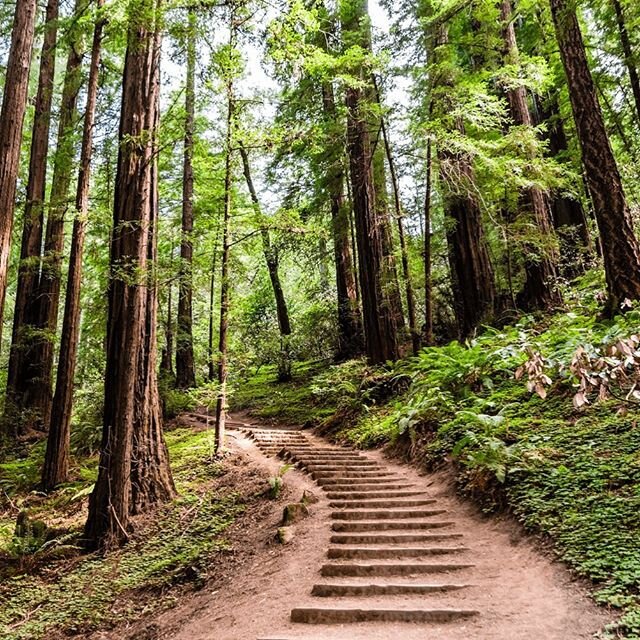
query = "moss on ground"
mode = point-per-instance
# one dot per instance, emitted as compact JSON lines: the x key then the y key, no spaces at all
{"x":74,"y":594}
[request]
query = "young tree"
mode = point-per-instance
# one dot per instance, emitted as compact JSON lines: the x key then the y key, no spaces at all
{"x":620,"y":247}
{"x":14,"y":104}
{"x":56,"y":461}
{"x":272,"y":261}
{"x":134,"y":472}
{"x":185,"y":365}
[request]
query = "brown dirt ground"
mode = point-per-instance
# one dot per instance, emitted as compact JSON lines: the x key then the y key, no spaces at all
{"x":520,"y":591}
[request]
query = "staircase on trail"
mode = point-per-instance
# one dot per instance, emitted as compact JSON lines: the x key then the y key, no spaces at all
{"x":392,"y":553}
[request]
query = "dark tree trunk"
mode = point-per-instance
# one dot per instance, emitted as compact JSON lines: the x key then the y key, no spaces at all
{"x":272,"y":261}
{"x":221,"y":404}
{"x":270,"y":254}
{"x":212,"y":293}
{"x":472,"y":275}
{"x":134,"y":471}
{"x":56,"y":461}
{"x":428,"y":282}
{"x":629,"y":58}
{"x":350,"y":342}
{"x":14,"y":104}
{"x":31,"y":246}
{"x":540,"y":289}
{"x":166,"y":359}
{"x":620,"y":248}
{"x":36,"y":368}
{"x":379,"y":315}
{"x":185,"y":365}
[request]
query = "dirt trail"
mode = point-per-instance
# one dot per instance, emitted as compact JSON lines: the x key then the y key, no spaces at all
{"x":386,"y":552}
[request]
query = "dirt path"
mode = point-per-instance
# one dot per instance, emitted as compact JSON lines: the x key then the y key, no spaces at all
{"x":386,"y":553}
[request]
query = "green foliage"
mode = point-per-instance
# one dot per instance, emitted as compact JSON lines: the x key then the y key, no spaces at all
{"x":276,"y":482}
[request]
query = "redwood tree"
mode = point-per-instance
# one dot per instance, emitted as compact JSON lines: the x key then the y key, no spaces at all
{"x":14,"y":104}
{"x":56,"y":461}
{"x":379,"y":314}
{"x":620,"y":247}
{"x":29,"y":267}
{"x":134,"y":472}
{"x":540,"y":290}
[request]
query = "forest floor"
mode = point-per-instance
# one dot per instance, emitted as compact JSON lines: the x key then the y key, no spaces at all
{"x":520,"y":592}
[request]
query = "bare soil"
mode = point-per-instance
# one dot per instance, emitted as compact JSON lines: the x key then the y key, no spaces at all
{"x":519,"y":590}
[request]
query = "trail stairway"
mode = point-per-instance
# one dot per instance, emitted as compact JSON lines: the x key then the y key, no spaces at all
{"x":394,"y":555}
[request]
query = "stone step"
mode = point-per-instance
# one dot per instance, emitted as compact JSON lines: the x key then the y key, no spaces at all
{"x":365,"y":487}
{"x":312,"y":615}
{"x":355,"y":590}
{"x":388,"y":553}
{"x":381,"y":504}
{"x":350,"y":472}
{"x":393,"y":538}
{"x":388,"y":525}
{"x":388,"y":481}
{"x":335,"y":465}
{"x":372,"y":495}
{"x":354,"y":570}
{"x":386,"y":514}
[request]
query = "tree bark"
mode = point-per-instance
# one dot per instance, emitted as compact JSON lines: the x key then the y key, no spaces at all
{"x":620,"y":247}
{"x":37,"y":362}
{"x":350,"y":343}
{"x":540,"y":289}
{"x":14,"y":104}
{"x":472,"y":275}
{"x":629,"y":58}
{"x":379,"y":315}
{"x":134,"y":472}
{"x":428,"y":282}
{"x":56,"y":462}
{"x":221,"y":404}
{"x":185,"y":365}
{"x":31,"y":245}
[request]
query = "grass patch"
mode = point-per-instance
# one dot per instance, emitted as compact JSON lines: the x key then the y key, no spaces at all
{"x":76,"y":595}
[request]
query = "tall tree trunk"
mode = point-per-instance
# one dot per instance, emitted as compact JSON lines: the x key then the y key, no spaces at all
{"x":31,"y":246}
{"x":270,"y":254}
{"x":379,"y":315}
{"x":56,"y":460}
{"x":134,"y":471}
{"x":37,"y":360}
{"x":185,"y":365}
{"x":166,"y":360}
{"x":212,"y":293}
{"x":428,"y":282}
{"x":472,"y":275}
{"x":411,"y":302}
{"x":221,"y":404}
{"x":620,"y":247}
{"x":629,"y":58}
{"x":350,"y":342}
{"x":540,"y":289}
{"x":14,"y":104}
